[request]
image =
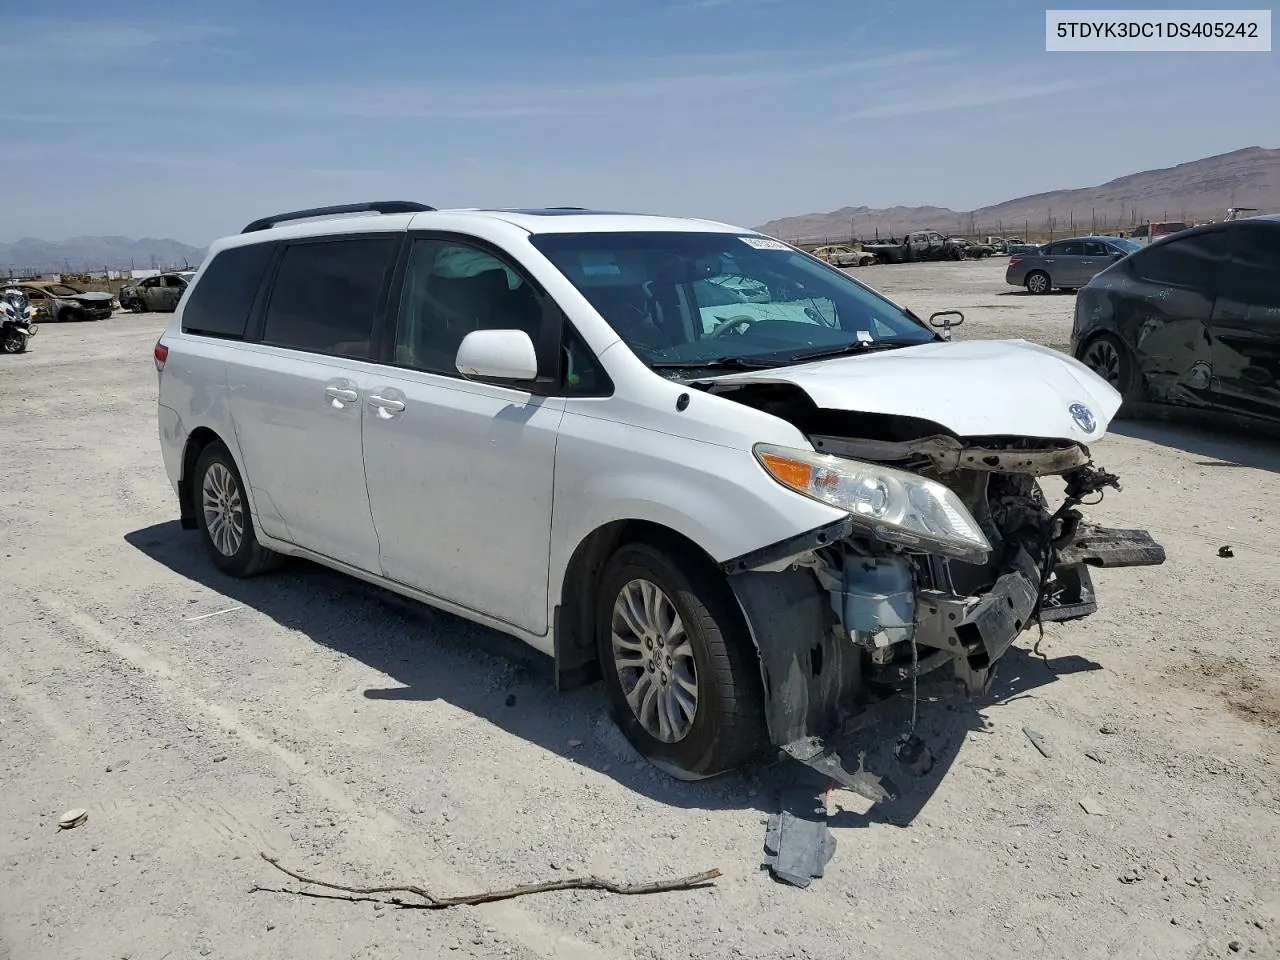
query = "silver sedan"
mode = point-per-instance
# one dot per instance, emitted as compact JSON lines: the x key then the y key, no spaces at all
{"x":1066,"y":264}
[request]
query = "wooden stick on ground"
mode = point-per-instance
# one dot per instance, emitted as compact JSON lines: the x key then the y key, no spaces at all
{"x":432,"y":902}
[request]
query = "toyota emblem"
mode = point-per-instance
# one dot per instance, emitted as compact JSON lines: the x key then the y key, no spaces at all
{"x":1083,"y":417}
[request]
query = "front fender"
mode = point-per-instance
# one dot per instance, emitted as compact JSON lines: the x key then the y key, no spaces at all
{"x":717,"y":496}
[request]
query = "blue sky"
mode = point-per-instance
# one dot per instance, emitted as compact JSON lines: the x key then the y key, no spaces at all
{"x":186,"y":120}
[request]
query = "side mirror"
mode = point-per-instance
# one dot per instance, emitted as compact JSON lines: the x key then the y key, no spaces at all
{"x":946,"y":323}
{"x":497,"y":355}
{"x":1117,"y":255}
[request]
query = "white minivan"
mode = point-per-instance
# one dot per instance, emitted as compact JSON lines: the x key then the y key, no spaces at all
{"x":753,"y":496}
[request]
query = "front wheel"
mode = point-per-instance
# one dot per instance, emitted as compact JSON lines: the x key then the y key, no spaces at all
{"x":14,"y":342}
{"x":222,"y":514}
{"x":1038,"y":282}
{"x":682,"y":676}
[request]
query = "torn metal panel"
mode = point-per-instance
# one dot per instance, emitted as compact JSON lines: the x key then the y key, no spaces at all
{"x":949,"y":454}
{"x":787,"y":550}
{"x":811,"y":674}
{"x":817,"y":755}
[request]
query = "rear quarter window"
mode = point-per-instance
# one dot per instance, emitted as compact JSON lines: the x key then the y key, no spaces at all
{"x":219,"y":304}
{"x":1190,"y":262}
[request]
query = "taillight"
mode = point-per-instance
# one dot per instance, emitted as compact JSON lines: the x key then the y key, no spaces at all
{"x":1014,"y":261}
{"x":161,"y":354}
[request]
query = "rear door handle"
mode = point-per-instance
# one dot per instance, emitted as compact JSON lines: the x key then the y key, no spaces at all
{"x":342,"y":394}
{"x":385,"y":403}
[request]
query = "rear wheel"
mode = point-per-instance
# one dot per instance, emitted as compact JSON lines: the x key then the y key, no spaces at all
{"x":222,"y":514}
{"x":1107,"y":357}
{"x":1038,"y":282}
{"x":682,"y":677}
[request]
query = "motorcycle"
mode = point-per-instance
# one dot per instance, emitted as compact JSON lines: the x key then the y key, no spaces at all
{"x":17,"y":321}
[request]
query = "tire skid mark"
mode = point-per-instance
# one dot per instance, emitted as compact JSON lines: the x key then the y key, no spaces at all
{"x":517,"y":923}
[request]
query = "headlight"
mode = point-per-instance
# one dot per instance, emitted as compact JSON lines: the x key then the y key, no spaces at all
{"x":896,"y":506}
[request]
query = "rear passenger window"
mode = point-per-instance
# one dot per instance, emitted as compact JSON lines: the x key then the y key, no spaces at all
{"x":1071,"y":248}
{"x":1189,"y":262}
{"x":451,"y":289}
{"x":326,"y":294}
{"x":219,"y":304}
{"x":1253,"y":278}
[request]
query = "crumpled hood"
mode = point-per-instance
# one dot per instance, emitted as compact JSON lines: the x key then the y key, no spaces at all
{"x":973,"y":388}
{"x":91,"y":299}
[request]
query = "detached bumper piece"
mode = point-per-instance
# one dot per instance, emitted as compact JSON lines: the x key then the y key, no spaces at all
{"x":1107,"y":547}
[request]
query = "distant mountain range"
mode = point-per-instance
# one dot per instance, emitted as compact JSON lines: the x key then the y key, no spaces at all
{"x":1198,"y":190}
{"x":91,"y":254}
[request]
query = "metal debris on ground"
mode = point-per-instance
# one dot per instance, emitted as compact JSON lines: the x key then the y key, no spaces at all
{"x":797,"y":842}
{"x":1226,"y":551}
{"x":1038,"y":741}
{"x":215,"y":613}
{"x":72,"y":819}
{"x":429,"y":901}
{"x":914,"y":754}
{"x":1092,"y":807}
{"x":1094,"y":757}
{"x":813,"y":753}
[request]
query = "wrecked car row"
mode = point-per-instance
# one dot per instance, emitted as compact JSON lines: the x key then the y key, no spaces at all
{"x":753,"y":496}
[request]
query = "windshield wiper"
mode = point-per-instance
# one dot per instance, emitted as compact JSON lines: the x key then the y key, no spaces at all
{"x":857,"y":346}
{"x":715,"y":363}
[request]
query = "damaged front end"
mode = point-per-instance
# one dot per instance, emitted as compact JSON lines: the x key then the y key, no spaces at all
{"x":850,"y":615}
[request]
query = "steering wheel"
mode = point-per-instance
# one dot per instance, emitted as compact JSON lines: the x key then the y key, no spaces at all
{"x":731,"y":323}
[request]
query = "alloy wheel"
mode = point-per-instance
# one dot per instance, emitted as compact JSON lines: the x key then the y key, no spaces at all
{"x":1104,"y":360}
{"x":1038,"y":283}
{"x":654,"y":660}
{"x":223,"y":508}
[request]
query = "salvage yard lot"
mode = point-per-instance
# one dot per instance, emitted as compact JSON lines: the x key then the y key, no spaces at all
{"x":201,"y":720}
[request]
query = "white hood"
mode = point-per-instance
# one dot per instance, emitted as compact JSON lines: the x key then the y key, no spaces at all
{"x":973,"y":388}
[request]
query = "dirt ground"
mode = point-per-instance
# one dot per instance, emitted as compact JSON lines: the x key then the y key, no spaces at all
{"x":201,"y":720}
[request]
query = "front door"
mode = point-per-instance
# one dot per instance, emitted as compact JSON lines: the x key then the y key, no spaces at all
{"x":296,"y":397}
{"x":1246,"y":323}
{"x":460,"y":472}
{"x":1097,"y":257}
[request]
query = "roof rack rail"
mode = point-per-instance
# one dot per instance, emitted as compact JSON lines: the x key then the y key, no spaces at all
{"x":377,"y":206}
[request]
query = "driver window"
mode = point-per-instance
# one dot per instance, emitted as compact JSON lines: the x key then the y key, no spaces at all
{"x":450,"y":289}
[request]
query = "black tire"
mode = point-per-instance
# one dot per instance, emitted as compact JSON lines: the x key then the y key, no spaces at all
{"x":728,"y":726}
{"x":249,"y":558}
{"x":1106,"y":356}
{"x":1038,"y":282}
{"x":70,"y":315}
{"x":14,"y":343}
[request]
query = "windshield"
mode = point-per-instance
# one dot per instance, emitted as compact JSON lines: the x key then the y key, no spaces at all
{"x":688,"y":298}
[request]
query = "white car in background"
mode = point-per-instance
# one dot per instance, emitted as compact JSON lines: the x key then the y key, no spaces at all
{"x":754,"y":496}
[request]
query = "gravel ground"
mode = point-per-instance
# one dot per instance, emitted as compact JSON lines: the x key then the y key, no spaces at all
{"x":201,"y":720}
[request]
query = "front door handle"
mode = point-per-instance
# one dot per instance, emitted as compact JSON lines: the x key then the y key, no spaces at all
{"x":385,"y":403}
{"x":342,"y":394}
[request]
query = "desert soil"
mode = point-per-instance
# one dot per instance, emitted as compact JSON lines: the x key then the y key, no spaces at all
{"x":201,"y":720}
